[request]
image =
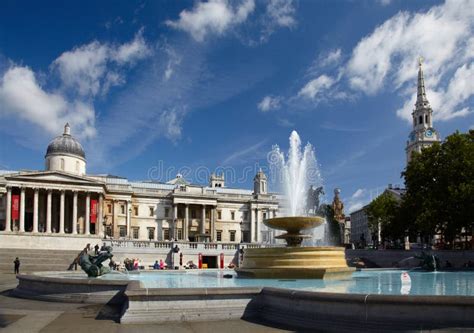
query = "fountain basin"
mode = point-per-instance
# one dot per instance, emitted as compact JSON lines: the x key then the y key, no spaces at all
{"x":295,"y":263}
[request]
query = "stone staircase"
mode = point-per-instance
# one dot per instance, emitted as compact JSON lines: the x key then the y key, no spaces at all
{"x":33,"y":260}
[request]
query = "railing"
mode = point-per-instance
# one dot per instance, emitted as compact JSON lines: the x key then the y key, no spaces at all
{"x":195,"y":246}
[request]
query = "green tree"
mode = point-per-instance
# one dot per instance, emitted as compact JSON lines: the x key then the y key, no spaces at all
{"x":440,"y":188}
{"x":384,"y":212}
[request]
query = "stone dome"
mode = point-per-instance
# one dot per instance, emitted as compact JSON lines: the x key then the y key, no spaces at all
{"x":65,"y":144}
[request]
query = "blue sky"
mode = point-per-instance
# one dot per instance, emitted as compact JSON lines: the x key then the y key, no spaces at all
{"x":153,"y":87}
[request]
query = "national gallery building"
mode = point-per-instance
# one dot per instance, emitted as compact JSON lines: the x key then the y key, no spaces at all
{"x":64,"y":201}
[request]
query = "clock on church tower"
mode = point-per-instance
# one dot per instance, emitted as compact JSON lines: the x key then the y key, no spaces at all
{"x":423,"y":133}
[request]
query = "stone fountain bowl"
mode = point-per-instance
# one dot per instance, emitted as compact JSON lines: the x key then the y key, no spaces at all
{"x":294,"y":224}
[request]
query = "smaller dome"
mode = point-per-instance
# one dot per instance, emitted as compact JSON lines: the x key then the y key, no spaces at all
{"x":65,"y":144}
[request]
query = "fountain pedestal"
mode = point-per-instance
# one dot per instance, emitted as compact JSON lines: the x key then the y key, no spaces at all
{"x":294,"y":261}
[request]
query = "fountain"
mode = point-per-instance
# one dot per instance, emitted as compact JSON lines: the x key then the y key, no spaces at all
{"x":295,"y":261}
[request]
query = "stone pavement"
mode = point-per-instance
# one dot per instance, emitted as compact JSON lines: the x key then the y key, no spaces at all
{"x":20,"y":315}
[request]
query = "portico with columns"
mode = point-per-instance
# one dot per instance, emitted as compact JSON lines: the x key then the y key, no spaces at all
{"x":51,"y":202}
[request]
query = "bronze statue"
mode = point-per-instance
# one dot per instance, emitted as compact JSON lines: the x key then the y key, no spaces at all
{"x":313,"y":199}
{"x":92,"y":265}
{"x":338,"y":206}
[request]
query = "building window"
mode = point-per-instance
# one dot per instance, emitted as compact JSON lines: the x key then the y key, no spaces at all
{"x":122,"y":231}
{"x":135,"y":232}
{"x":109,"y":208}
{"x":219,"y":215}
{"x":264,"y":216}
{"x":420,"y":119}
{"x":180,"y":233}
{"x":62,"y":164}
{"x":151,"y":233}
{"x":135,"y":210}
{"x":193,"y":213}
{"x":167,"y":212}
{"x":108,"y":231}
{"x":122,"y":209}
{"x":246,"y":216}
{"x":166,"y":233}
{"x":152,"y":211}
{"x":232,"y":215}
{"x":219,"y":235}
{"x":232,"y":235}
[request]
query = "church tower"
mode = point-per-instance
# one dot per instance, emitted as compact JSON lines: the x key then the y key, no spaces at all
{"x":423,"y":134}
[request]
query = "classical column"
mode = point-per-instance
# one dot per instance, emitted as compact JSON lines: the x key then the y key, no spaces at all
{"x":175,"y":222}
{"x":61,"y":212}
{"x":127,"y":221}
{"x":213,"y":223}
{"x":74,"y":213}
{"x":48,"y":211}
{"x":22,"y":210}
{"x":8,"y":212}
{"x":35,"y":210}
{"x":88,"y":214}
{"x":186,"y":224}
{"x":203,"y":220}
{"x":258,"y":237}
{"x":252,"y":225}
{"x":99,"y":224}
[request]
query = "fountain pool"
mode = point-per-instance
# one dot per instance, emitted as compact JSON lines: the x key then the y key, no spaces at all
{"x":376,"y":282}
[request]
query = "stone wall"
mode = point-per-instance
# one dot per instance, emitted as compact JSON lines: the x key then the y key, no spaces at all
{"x":387,"y":258}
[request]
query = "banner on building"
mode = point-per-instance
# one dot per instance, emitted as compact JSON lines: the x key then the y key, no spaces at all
{"x":15,"y":206}
{"x":93,"y":211}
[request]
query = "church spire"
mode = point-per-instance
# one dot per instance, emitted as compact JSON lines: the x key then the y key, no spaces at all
{"x":421,"y":99}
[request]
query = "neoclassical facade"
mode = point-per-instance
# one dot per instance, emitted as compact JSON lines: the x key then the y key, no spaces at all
{"x":64,"y":200}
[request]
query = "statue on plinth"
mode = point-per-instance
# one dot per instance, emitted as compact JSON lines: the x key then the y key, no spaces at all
{"x":338,"y":207}
{"x":313,"y":199}
{"x":92,"y":265}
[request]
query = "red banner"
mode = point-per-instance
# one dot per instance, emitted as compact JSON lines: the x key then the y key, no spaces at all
{"x":93,"y":211}
{"x":221,"y":260}
{"x":15,"y":206}
{"x":200,"y":260}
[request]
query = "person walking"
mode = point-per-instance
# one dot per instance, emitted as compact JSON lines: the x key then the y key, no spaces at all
{"x":96,"y":248}
{"x":17,"y":265}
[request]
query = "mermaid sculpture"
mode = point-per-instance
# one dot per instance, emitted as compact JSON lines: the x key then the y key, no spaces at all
{"x":92,"y":265}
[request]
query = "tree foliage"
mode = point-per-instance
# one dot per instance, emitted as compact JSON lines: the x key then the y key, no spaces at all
{"x":385,"y":210}
{"x":440,"y":188}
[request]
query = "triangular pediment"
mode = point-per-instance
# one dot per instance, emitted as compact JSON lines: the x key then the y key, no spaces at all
{"x":53,"y":177}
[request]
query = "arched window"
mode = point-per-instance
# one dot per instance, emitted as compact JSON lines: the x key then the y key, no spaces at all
{"x":62,"y":164}
{"x":421,"y":120}
{"x":427,"y":119}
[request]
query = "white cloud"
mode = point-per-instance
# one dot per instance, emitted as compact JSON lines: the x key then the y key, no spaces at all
{"x":330,"y":58}
{"x":359,"y":193}
{"x":243,"y":155}
{"x":84,"y":72}
{"x":278,"y":14}
{"x":88,"y":68}
{"x":170,"y":124}
{"x":212,"y":17}
{"x":173,"y":60}
{"x":316,"y":86}
{"x":384,"y":2}
{"x":23,"y":97}
{"x":443,"y":35}
{"x":269,"y":103}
